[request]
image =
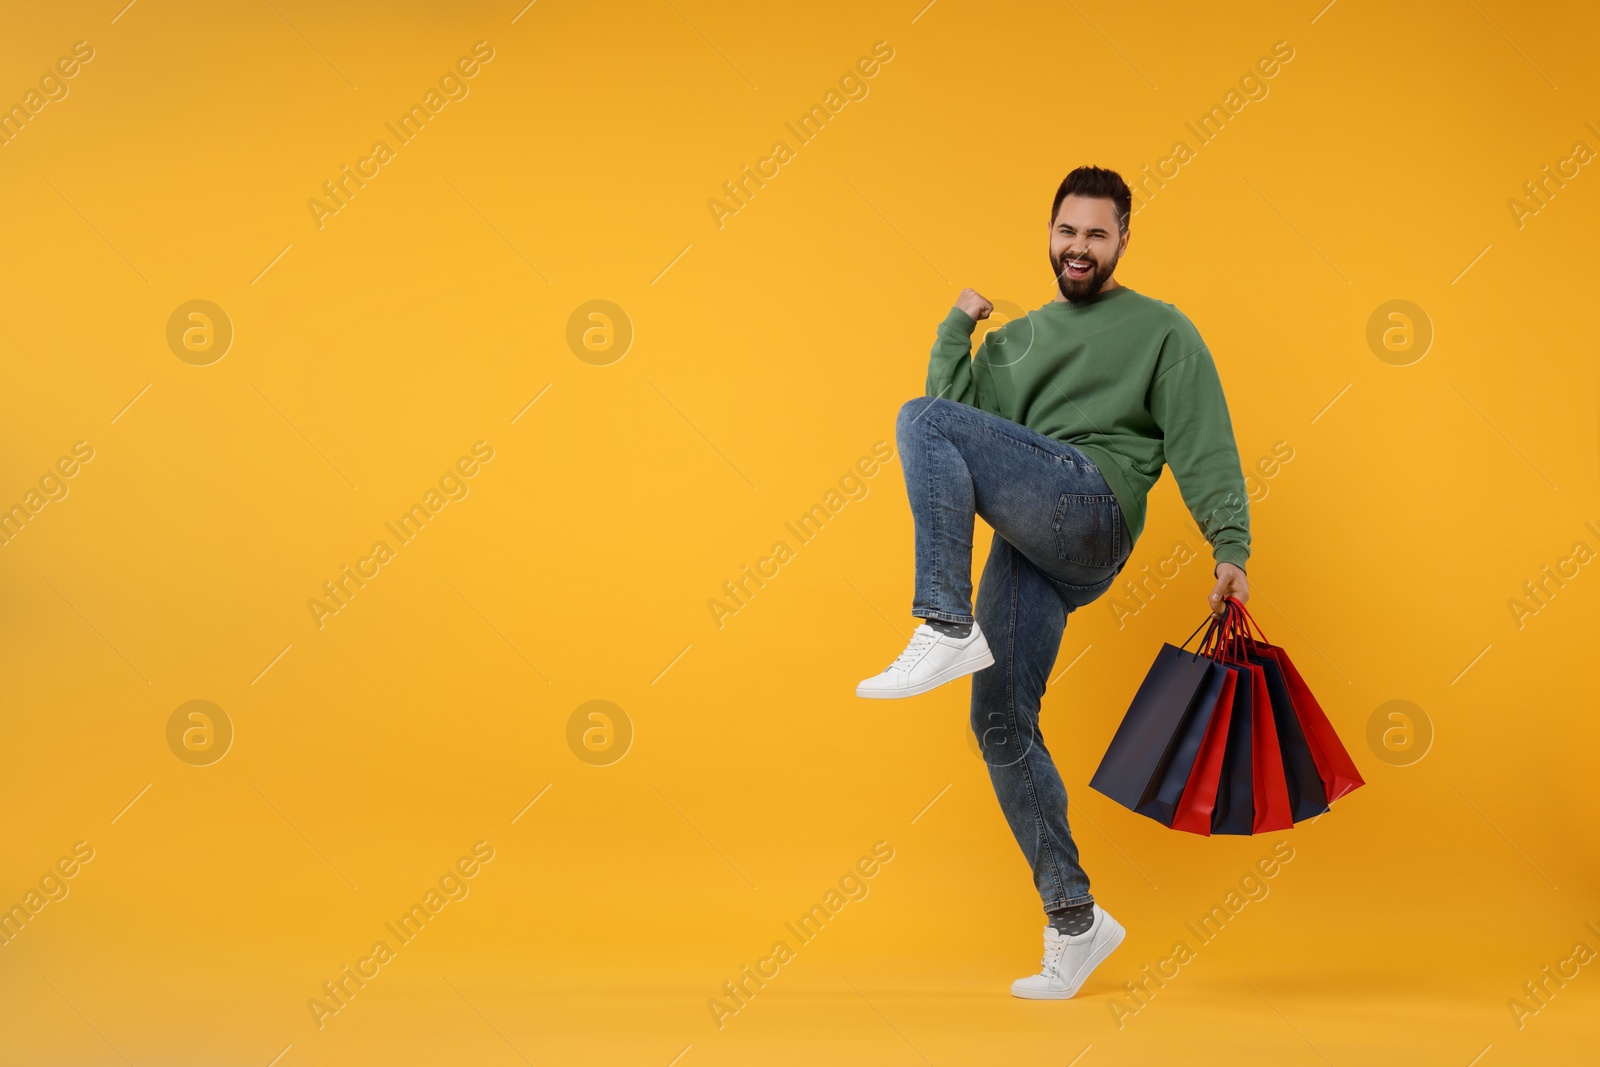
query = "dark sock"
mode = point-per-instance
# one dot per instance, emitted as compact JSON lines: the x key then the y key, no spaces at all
{"x":952,"y":629}
{"x":1074,"y":920}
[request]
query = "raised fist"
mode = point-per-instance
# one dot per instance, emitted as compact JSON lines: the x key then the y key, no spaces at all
{"x":974,"y":304}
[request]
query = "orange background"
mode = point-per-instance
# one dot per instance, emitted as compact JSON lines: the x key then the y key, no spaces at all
{"x":767,"y":356}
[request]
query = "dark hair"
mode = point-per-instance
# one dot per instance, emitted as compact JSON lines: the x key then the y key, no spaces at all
{"x":1096,"y":182}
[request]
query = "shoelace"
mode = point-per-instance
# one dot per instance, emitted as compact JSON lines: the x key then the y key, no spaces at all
{"x":1052,"y":956}
{"x":924,"y":636}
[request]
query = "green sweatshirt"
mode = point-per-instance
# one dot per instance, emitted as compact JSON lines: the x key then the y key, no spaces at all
{"x":1127,"y":379}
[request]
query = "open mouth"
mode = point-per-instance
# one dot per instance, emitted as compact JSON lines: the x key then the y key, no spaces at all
{"x":1078,"y":268}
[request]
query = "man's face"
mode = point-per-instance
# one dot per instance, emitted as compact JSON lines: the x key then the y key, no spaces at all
{"x":1085,"y":232}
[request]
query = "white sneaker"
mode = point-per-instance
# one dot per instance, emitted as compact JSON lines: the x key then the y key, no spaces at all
{"x":929,"y":661}
{"x":1069,"y":959}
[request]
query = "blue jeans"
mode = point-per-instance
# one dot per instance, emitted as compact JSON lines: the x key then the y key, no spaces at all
{"x":1059,"y":542}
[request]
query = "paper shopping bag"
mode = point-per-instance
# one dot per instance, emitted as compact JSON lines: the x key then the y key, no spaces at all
{"x":1306,"y":796}
{"x":1269,"y":785}
{"x":1234,"y":811}
{"x":1154,"y":736}
{"x":1199,"y":798}
{"x":1268,"y":807}
{"x":1163,"y":805}
{"x":1335,"y":768}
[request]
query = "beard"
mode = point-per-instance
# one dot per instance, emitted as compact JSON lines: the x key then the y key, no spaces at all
{"x":1078,"y":289}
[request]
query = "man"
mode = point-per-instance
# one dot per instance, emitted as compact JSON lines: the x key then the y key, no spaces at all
{"x":1054,"y":433}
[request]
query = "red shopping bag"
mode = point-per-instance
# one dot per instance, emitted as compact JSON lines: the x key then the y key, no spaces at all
{"x":1234,"y":811}
{"x":1271,"y":789}
{"x":1333,"y":762}
{"x":1271,"y":809}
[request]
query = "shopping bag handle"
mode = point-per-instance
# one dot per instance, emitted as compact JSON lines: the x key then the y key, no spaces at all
{"x":1220,"y":640}
{"x":1228,"y":641}
{"x":1246,"y":620}
{"x":1200,"y":650}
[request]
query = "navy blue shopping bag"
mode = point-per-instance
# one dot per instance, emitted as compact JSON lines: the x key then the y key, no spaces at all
{"x":1155,"y":746}
{"x":1307,"y":798}
{"x":1235,"y":809}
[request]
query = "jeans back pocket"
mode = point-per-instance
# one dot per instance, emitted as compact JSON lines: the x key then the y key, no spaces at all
{"x":1088,"y":529}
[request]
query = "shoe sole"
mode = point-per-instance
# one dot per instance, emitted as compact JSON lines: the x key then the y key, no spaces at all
{"x":1095,"y":959}
{"x":949,"y":674}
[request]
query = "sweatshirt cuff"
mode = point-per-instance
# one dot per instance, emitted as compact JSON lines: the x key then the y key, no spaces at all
{"x":960,"y":321}
{"x":1233,"y":554}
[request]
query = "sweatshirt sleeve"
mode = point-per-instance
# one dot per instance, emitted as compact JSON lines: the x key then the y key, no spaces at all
{"x":951,"y":373}
{"x":1187,"y":403}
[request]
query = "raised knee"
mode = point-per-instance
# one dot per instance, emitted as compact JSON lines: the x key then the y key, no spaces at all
{"x":914,"y":409}
{"x":915,"y":406}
